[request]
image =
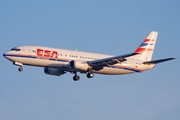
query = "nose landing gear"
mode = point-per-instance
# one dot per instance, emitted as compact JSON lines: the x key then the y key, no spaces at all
{"x":18,"y":64}
{"x":20,"y":69}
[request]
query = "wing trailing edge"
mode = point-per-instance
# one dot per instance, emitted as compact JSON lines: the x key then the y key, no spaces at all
{"x":111,"y":60}
{"x":158,"y":61}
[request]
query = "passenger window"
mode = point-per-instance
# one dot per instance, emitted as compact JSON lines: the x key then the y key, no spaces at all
{"x":34,"y":51}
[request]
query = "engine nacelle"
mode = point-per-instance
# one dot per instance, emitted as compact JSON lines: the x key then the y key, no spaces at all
{"x":79,"y":65}
{"x":53,"y":71}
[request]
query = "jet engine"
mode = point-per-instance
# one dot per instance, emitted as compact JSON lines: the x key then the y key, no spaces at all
{"x":53,"y":71}
{"x":79,"y":65}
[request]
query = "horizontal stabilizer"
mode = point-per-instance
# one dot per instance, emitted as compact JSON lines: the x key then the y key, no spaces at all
{"x":158,"y":61}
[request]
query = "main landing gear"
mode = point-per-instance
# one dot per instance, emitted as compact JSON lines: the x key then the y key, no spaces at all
{"x":76,"y":77}
{"x":90,"y":75}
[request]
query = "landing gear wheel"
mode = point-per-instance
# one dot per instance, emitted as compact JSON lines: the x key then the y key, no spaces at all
{"x":20,"y":69}
{"x":90,"y":75}
{"x":76,"y":78}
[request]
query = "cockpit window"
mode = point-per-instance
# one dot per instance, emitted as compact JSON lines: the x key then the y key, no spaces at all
{"x":16,"y":49}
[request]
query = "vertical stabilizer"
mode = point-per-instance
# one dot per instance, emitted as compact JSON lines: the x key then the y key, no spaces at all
{"x":146,"y":49}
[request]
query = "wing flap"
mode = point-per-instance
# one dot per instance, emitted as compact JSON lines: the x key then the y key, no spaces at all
{"x":111,"y":60}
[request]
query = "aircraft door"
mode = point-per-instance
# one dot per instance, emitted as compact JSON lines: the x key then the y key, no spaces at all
{"x":30,"y":51}
{"x":26,"y":51}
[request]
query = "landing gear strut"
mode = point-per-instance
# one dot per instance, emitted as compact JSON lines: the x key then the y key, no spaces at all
{"x":76,"y":77}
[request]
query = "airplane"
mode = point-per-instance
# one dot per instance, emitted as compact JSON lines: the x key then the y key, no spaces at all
{"x":60,"y":61}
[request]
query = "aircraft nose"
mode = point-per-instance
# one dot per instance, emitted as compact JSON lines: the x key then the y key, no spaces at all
{"x":5,"y":54}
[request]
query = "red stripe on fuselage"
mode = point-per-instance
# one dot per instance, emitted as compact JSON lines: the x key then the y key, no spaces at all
{"x":38,"y":57}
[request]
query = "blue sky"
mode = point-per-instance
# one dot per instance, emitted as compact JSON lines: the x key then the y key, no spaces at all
{"x":113,"y":27}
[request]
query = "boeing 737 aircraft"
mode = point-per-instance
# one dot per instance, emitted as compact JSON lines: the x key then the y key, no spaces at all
{"x":59,"y":61}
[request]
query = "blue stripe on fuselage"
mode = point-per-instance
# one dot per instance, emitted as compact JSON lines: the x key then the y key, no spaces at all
{"x":62,"y":60}
{"x":26,"y":56}
{"x":126,"y":68}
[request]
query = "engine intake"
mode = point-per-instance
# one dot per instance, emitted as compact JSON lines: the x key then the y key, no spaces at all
{"x":53,"y":71}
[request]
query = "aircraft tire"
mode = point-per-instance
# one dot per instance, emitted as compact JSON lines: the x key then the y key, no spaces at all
{"x":76,"y":78}
{"x":90,"y":75}
{"x":20,"y":69}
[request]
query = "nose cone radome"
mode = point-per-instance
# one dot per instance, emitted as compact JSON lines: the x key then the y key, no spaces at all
{"x":4,"y":54}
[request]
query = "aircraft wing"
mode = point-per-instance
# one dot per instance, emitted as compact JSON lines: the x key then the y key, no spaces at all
{"x":110,"y":61}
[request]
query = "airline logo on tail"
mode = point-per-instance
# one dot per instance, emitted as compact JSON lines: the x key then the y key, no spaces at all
{"x":147,"y":47}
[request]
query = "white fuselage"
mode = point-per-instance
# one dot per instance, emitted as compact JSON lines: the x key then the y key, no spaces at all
{"x":60,"y":58}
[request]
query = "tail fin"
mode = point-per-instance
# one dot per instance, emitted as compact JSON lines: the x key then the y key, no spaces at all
{"x":146,"y":49}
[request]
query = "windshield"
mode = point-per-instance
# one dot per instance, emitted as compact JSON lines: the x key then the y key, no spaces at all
{"x":16,"y":49}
